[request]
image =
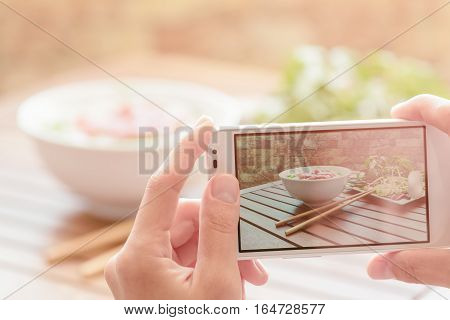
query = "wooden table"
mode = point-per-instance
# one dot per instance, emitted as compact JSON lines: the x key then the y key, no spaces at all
{"x":37,"y":211}
{"x":363,"y":222}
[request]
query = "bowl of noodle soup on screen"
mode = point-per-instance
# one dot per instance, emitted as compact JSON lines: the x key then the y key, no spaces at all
{"x":315,"y":185}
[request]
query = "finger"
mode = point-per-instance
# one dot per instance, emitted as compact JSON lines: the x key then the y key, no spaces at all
{"x":427,"y":108}
{"x":185,"y":223}
{"x":219,"y":215}
{"x":253,"y":272}
{"x":186,"y":255}
{"x":184,"y":233}
{"x":429,"y":266}
{"x":160,"y":199}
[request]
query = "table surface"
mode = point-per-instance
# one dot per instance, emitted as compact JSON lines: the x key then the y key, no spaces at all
{"x":368,"y":221}
{"x":37,"y":211}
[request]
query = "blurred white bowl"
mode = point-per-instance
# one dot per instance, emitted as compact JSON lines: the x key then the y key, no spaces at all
{"x":105,"y":172}
{"x":315,"y":192}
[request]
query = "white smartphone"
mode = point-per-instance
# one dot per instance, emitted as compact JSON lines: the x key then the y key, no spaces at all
{"x":312,"y":189}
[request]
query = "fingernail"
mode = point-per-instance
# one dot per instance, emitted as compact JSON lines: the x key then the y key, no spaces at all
{"x":398,"y":105}
{"x":204,"y":132}
{"x":225,"y":188}
{"x":201,"y":120}
{"x":396,"y":108}
{"x":260,"y":266}
{"x":381,"y":270}
{"x":181,"y":233}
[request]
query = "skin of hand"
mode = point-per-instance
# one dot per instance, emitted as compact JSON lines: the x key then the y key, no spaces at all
{"x":184,"y":249}
{"x":429,"y":266}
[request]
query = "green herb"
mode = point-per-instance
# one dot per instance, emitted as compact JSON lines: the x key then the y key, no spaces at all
{"x":367,"y":91}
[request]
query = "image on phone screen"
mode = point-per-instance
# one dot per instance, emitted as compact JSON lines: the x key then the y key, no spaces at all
{"x":332,"y":188}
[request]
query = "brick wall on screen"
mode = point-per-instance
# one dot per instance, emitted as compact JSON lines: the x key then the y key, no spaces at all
{"x":261,"y":157}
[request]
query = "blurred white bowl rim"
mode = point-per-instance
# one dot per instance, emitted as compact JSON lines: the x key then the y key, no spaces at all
{"x":186,"y":101}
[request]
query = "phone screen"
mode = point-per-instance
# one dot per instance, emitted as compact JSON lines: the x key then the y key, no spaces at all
{"x":332,"y":188}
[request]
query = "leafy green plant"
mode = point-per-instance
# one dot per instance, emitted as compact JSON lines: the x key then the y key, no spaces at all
{"x":366,"y":91}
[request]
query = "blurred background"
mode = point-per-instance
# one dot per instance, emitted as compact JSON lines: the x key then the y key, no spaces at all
{"x":260,"y":57}
{"x":264,"y":34}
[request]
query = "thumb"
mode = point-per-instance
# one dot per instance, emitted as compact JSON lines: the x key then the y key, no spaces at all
{"x":430,"y":109}
{"x":425,"y":266}
{"x":218,"y":224}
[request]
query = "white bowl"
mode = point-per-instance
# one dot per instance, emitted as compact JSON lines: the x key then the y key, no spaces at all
{"x":315,"y":192}
{"x":103,"y":171}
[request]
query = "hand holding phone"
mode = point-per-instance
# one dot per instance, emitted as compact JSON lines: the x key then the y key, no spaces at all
{"x":184,"y":249}
{"x":431,"y":266}
{"x":312,"y":189}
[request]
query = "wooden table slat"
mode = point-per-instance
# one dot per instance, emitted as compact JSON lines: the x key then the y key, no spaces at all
{"x":30,"y":264}
{"x":385,"y":227}
{"x":352,"y":225}
{"x":264,"y":241}
{"x":389,"y":218}
{"x":301,"y":238}
{"x":42,"y":288}
{"x":317,"y":230}
{"x":369,"y":234}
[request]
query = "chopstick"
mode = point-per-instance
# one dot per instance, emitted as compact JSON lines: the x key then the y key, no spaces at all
{"x":96,"y":265}
{"x":85,"y":244}
{"x":284,"y":222}
{"x":326,"y":213}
